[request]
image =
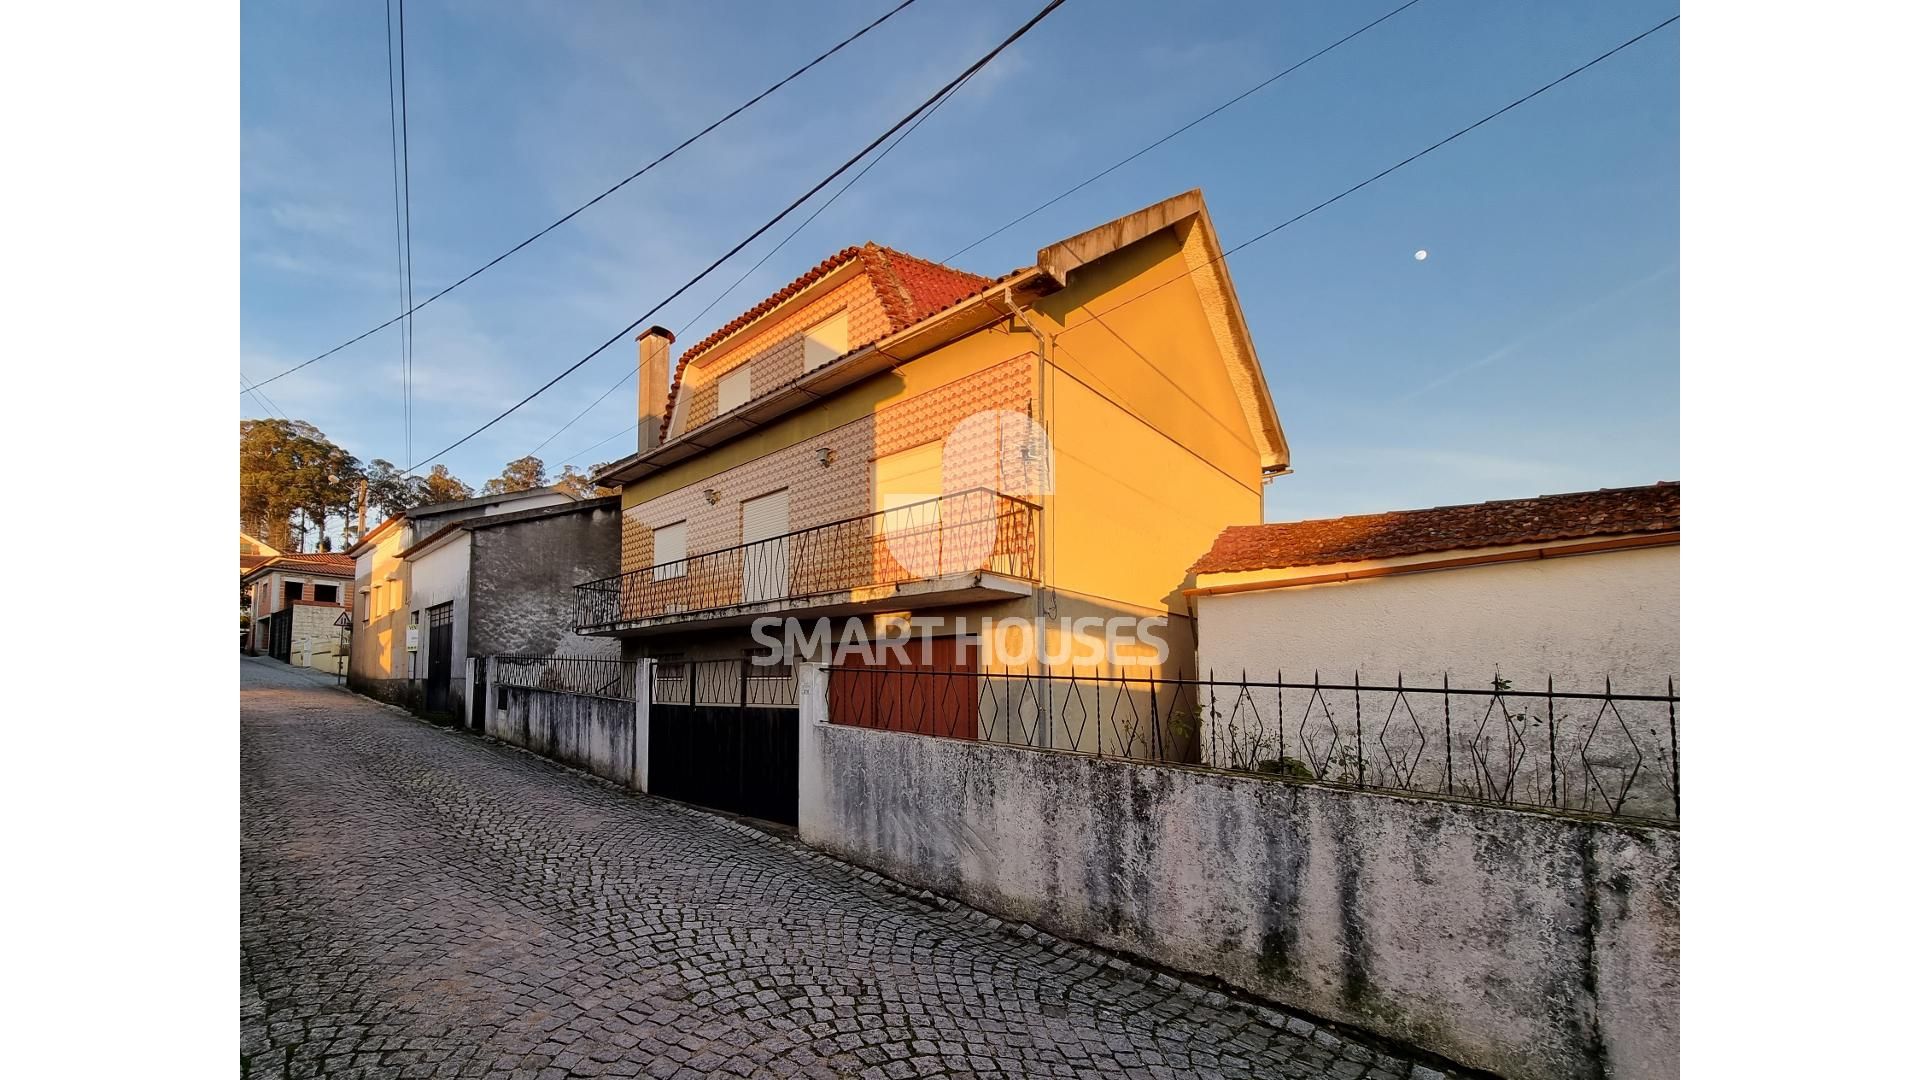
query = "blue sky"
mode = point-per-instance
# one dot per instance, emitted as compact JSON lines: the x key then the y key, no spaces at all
{"x":1535,"y":350}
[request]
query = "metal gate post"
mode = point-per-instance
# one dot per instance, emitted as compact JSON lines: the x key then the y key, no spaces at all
{"x":492,"y":704}
{"x":643,"y":725}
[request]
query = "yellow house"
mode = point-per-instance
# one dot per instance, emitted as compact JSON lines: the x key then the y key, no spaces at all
{"x":888,"y":438}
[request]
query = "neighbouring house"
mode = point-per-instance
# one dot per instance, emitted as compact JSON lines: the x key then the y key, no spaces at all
{"x":887,"y":437}
{"x":252,"y":553}
{"x":1490,"y":604}
{"x":296,"y":602}
{"x":499,"y":585}
{"x":412,"y":577}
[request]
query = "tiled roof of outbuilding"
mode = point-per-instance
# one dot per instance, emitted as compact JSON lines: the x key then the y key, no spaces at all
{"x":327,"y":564}
{"x":1577,"y":515}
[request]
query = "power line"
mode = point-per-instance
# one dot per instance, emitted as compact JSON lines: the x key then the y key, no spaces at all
{"x":1045,"y":11}
{"x":771,"y":252}
{"x":1389,"y":170}
{"x":1162,"y":140}
{"x":571,"y":214}
{"x":579,"y":454}
{"x":406,"y":189}
{"x":1184,"y":128}
{"x":1097,"y":317}
{"x":264,"y":399}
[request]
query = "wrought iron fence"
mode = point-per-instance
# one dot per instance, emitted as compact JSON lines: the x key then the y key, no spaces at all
{"x":966,"y":531}
{"x":723,"y":682}
{"x":1605,"y":752}
{"x":567,"y":675}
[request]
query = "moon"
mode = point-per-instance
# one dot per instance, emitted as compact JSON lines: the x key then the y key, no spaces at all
{"x":1420,"y":256}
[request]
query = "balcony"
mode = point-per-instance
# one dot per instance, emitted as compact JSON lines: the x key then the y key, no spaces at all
{"x":967,"y":547}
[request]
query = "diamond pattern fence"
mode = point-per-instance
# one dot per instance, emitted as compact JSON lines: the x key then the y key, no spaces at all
{"x":1600,"y":753}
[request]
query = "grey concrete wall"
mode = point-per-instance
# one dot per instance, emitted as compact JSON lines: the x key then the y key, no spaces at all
{"x":595,"y":734}
{"x":521,"y":599}
{"x":1530,"y":945}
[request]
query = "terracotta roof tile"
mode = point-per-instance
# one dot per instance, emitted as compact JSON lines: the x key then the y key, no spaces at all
{"x":910,"y":289}
{"x":331,"y":564}
{"x":1580,"y":514}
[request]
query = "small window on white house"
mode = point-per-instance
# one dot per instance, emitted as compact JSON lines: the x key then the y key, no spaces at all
{"x":826,"y":341}
{"x":293,"y":590}
{"x":670,"y":551}
{"x":736,"y":387}
{"x":326,"y":594}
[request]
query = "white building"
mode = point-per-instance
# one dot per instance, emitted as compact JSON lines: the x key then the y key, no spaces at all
{"x":396,"y":654}
{"x":1582,"y":589}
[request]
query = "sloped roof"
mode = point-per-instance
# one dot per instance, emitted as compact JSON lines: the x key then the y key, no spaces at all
{"x":327,"y":564}
{"x":248,"y":562}
{"x":909,"y":288}
{"x":1576,"y":515}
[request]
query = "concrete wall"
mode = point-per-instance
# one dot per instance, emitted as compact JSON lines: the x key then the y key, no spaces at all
{"x":1531,"y":945}
{"x":1578,"y":618}
{"x":522,"y":600}
{"x":600,"y":735}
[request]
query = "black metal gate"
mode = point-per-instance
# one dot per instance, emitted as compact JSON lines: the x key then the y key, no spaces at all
{"x":280,"y":635}
{"x":726,"y":734}
{"x":439,"y":656}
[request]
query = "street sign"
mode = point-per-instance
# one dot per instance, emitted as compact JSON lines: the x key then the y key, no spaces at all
{"x":345,"y":619}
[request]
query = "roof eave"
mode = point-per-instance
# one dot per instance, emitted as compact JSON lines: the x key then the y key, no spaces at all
{"x":884,"y":355}
{"x":1235,"y":341}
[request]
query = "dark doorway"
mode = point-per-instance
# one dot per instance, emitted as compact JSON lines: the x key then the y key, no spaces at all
{"x":280,"y":636}
{"x":439,"y":657}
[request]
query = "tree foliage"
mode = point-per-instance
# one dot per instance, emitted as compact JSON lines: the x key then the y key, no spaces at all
{"x":389,"y":491}
{"x":441,"y":486}
{"x":292,"y":479}
{"x":580,"y":484}
{"x":520,"y":474}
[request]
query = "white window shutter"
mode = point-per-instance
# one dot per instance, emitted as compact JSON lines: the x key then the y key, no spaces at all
{"x":736,"y":387}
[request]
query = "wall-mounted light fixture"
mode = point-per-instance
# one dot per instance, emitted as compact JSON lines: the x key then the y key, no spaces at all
{"x":713,"y":496}
{"x":825,"y":455}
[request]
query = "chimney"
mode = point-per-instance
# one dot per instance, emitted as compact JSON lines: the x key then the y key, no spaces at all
{"x":656,"y":356}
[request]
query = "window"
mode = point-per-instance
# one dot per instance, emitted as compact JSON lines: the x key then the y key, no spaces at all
{"x":366,"y":605}
{"x":326,"y":594}
{"x":908,"y":477}
{"x":736,"y":387}
{"x":670,"y":551}
{"x":826,"y":341}
{"x":293,"y":590}
{"x":906,"y":489}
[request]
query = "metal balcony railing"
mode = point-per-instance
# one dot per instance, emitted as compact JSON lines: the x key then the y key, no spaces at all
{"x":977,"y":530}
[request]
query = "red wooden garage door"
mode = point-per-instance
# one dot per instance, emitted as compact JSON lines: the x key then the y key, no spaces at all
{"x":938,"y":694}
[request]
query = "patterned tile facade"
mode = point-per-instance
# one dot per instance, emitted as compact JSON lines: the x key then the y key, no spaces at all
{"x":775,"y":352}
{"x":843,"y":489}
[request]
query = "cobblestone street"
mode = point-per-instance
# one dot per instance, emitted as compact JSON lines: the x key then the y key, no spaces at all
{"x":418,"y":902}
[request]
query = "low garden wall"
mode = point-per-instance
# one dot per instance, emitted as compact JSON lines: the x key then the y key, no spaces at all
{"x":1532,"y":945}
{"x":597,"y":734}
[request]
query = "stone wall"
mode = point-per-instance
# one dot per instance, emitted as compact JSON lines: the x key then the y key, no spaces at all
{"x":1531,"y":945}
